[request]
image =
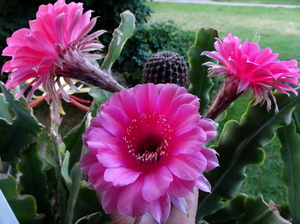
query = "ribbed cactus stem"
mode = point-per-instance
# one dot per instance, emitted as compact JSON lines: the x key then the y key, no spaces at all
{"x":166,"y":67}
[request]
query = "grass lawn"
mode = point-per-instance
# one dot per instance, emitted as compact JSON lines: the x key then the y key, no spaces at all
{"x":279,"y":27}
{"x":280,"y":30}
{"x":286,"y":2}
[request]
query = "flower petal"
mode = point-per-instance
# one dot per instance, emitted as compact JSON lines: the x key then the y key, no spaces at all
{"x":187,"y":167}
{"x":96,"y":177}
{"x":180,"y":203}
{"x":111,"y":156}
{"x":87,"y":161}
{"x":131,"y":203}
{"x":121,"y":176}
{"x":211,"y":157}
{"x":180,"y":188}
{"x":160,"y":209}
{"x":156,"y":183}
{"x":203,"y":184}
{"x":110,"y":199}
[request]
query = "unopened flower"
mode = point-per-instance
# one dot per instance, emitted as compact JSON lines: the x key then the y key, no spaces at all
{"x":247,"y":68}
{"x":56,"y":45}
{"x":146,"y":150}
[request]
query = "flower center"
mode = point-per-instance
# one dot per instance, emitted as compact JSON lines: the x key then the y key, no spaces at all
{"x":147,"y":138}
{"x":150,"y":149}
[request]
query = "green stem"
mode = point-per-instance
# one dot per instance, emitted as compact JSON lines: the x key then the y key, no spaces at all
{"x":57,"y":145}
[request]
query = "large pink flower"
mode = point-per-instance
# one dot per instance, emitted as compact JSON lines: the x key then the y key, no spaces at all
{"x":250,"y":69}
{"x":55,"y":46}
{"x":146,"y":150}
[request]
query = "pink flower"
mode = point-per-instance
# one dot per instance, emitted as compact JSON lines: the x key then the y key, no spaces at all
{"x":146,"y":150}
{"x":249,"y":68}
{"x":56,"y":46}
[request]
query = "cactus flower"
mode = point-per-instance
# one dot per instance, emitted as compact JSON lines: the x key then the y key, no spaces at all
{"x":247,"y":68}
{"x":56,"y":46}
{"x":146,"y":150}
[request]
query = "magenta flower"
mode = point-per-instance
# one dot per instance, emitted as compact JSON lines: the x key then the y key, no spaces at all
{"x":146,"y":150}
{"x":247,"y":68}
{"x":56,"y":46}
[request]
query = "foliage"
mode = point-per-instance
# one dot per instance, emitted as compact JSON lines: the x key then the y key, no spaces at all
{"x":120,"y":36}
{"x":23,"y":206}
{"x":16,"y":118}
{"x":202,"y":85}
{"x":149,"y":39}
{"x":290,"y":151}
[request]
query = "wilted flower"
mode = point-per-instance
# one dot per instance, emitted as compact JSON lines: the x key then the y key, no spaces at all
{"x":247,"y":68}
{"x":146,"y":150}
{"x":56,"y":46}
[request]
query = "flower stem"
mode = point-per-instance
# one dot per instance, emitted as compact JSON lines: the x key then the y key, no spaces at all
{"x":227,"y":94}
{"x":76,"y":66}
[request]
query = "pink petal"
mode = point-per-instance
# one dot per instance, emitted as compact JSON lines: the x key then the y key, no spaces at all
{"x":160,"y":209}
{"x":213,"y":55}
{"x":38,"y":41}
{"x":147,"y":98}
{"x":265,"y":56}
{"x":111,"y":156}
{"x":121,"y":176}
{"x":91,"y":139}
{"x":15,"y":42}
{"x":110,"y":199}
{"x":127,"y":102}
{"x":183,"y":118}
{"x":208,"y":126}
{"x":59,"y":22}
{"x":85,"y":28}
{"x":187,"y":167}
{"x":180,"y":188}
{"x":243,"y":85}
{"x":19,"y":76}
{"x":167,"y":96}
{"x":96,"y":177}
{"x":131,"y":203}
{"x":211,"y":157}
{"x":203,"y":184}
{"x":114,"y":121}
{"x":87,"y":161}
{"x":250,"y":49}
{"x":188,"y":142}
{"x":156,"y":182}
{"x":180,"y":203}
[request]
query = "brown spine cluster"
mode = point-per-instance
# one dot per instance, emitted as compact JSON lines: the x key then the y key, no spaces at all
{"x":166,"y":67}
